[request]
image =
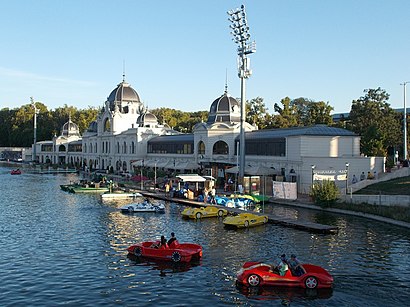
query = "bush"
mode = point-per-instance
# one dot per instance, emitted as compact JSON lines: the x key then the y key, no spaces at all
{"x":389,"y":163}
{"x":324,"y":192}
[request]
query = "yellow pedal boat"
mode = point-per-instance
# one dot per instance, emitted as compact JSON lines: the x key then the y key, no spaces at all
{"x":210,"y":211}
{"x":245,"y":220}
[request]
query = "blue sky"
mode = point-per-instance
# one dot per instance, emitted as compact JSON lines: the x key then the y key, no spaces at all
{"x":177,"y":53}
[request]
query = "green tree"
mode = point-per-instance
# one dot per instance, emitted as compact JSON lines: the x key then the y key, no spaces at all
{"x":179,"y":120}
{"x":319,"y":113}
{"x":5,"y":126}
{"x":257,"y":113}
{"x":288,"y":114}
{"x":372,"y":117}
{"x":310,"y":112}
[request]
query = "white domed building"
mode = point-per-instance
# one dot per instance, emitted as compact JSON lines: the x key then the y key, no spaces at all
{"x":116,"y":139}
{"x":120,"y":134}
{"x":63,"y":149}
{"x":125,"y":134}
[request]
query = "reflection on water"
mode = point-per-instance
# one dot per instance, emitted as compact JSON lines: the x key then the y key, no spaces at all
{"x":61,"y":248}
{"x":164,"y":267}
{"x":285,"y":294}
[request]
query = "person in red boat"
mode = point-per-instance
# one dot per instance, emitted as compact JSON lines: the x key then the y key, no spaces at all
{"x":283,"y":266}
{"x":295,"y":266}
{"x":172,"y":239}
{"x":162,"y":243}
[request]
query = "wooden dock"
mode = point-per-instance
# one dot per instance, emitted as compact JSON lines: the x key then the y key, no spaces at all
{"x":302,"y":225}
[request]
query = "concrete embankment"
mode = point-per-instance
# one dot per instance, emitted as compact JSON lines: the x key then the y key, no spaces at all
{"x":306,"y":205}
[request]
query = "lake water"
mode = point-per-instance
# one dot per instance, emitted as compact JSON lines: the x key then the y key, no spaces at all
{"x":70,"y":249}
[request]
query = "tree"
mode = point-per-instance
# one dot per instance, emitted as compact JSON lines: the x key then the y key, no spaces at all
{"x":318,"y":113}
{"x":288,"y":115}
{"x":179,"y":120}
{"x":5,"y":126}
{"x":257,"y":113}
{"x":372,"y":117}
{"x":312,"y":112}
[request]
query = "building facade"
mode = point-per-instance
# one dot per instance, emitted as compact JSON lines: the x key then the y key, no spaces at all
{"x":125,"y":135}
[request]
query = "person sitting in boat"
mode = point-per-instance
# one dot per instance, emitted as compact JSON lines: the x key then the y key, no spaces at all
{"x":172,"y":239}
{"x":161,"y":244}
{"x":282,"y":266}
{"x":295,"y":266}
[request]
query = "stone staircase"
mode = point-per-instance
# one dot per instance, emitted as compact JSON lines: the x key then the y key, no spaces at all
{"x":385,"y":200}
{"x":395,"y":173}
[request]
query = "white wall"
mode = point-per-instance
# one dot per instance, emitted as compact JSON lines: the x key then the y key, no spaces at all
{"x":325,"y":146}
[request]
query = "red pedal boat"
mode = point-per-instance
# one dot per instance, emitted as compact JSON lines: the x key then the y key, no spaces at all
{"x":176,"y":252}
{"x":261,"y":274}
{"x":15,"y":172}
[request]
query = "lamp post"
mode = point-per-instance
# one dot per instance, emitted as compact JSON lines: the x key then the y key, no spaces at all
{"x":155,"y":176}
{"x":241,"y":36}
{"x":347,"y":176}
{"x":142,"y":180}
{"x":201,"y":157}
{"x":404,"y":121}
{"x":36,"y":111}
{"x":313,"y":173}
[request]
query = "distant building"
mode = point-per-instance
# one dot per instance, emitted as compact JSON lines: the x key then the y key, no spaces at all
{"x":337,"y":117}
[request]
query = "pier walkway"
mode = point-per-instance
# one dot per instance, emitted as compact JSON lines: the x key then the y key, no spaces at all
{"x":303,"y":225}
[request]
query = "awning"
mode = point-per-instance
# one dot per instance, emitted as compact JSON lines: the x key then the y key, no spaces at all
{"x":150,"y":163}
{"x":254,"y":170}
{"x":187,"y":165}
{"x":191,"y":178}
{"x":181,"y":165}
{"x":209,"y":178}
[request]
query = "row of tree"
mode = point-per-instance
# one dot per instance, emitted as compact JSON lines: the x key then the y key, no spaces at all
{"x":16,"y":125}
{"x":371,"y":117}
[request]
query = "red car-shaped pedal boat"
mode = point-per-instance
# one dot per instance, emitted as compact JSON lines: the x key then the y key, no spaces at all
{"x":261,"y":274}
{"x":176,"y":252}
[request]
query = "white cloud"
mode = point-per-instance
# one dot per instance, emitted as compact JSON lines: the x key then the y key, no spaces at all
{"x":26,"y":76}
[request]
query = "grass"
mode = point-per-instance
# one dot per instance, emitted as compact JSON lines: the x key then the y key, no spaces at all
{"x":393,"y":212}
{"x":398,"y":186}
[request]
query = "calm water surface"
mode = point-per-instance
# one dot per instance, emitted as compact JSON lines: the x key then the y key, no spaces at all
{"x":70,"y":249}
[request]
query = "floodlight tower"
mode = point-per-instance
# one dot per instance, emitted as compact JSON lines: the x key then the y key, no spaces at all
{"x":241,"y":36}
{"x":36,"y":111}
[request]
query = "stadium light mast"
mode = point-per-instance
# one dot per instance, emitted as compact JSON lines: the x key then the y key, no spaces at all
{"x":36,"y":111}
{"x":241,"y":36}
{"x":404,"y":122}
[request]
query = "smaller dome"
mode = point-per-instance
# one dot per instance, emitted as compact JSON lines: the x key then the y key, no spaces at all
{"x":70,"y":129}
{"x":224,"y":109}
{"x":147,"y":119}
{"x":93,"y":127}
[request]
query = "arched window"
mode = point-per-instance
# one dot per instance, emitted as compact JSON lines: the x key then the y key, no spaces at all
{"x":220,"y":148}
{"x":201,"y":148}
{"x":118,"y":147}
{"x":132,"y":147}
{"x":85,"y":147}
{"x":107,"y":125}
{"x":124,"y":166}
{"x":61,"y":148}
{"x":125,"y":147}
